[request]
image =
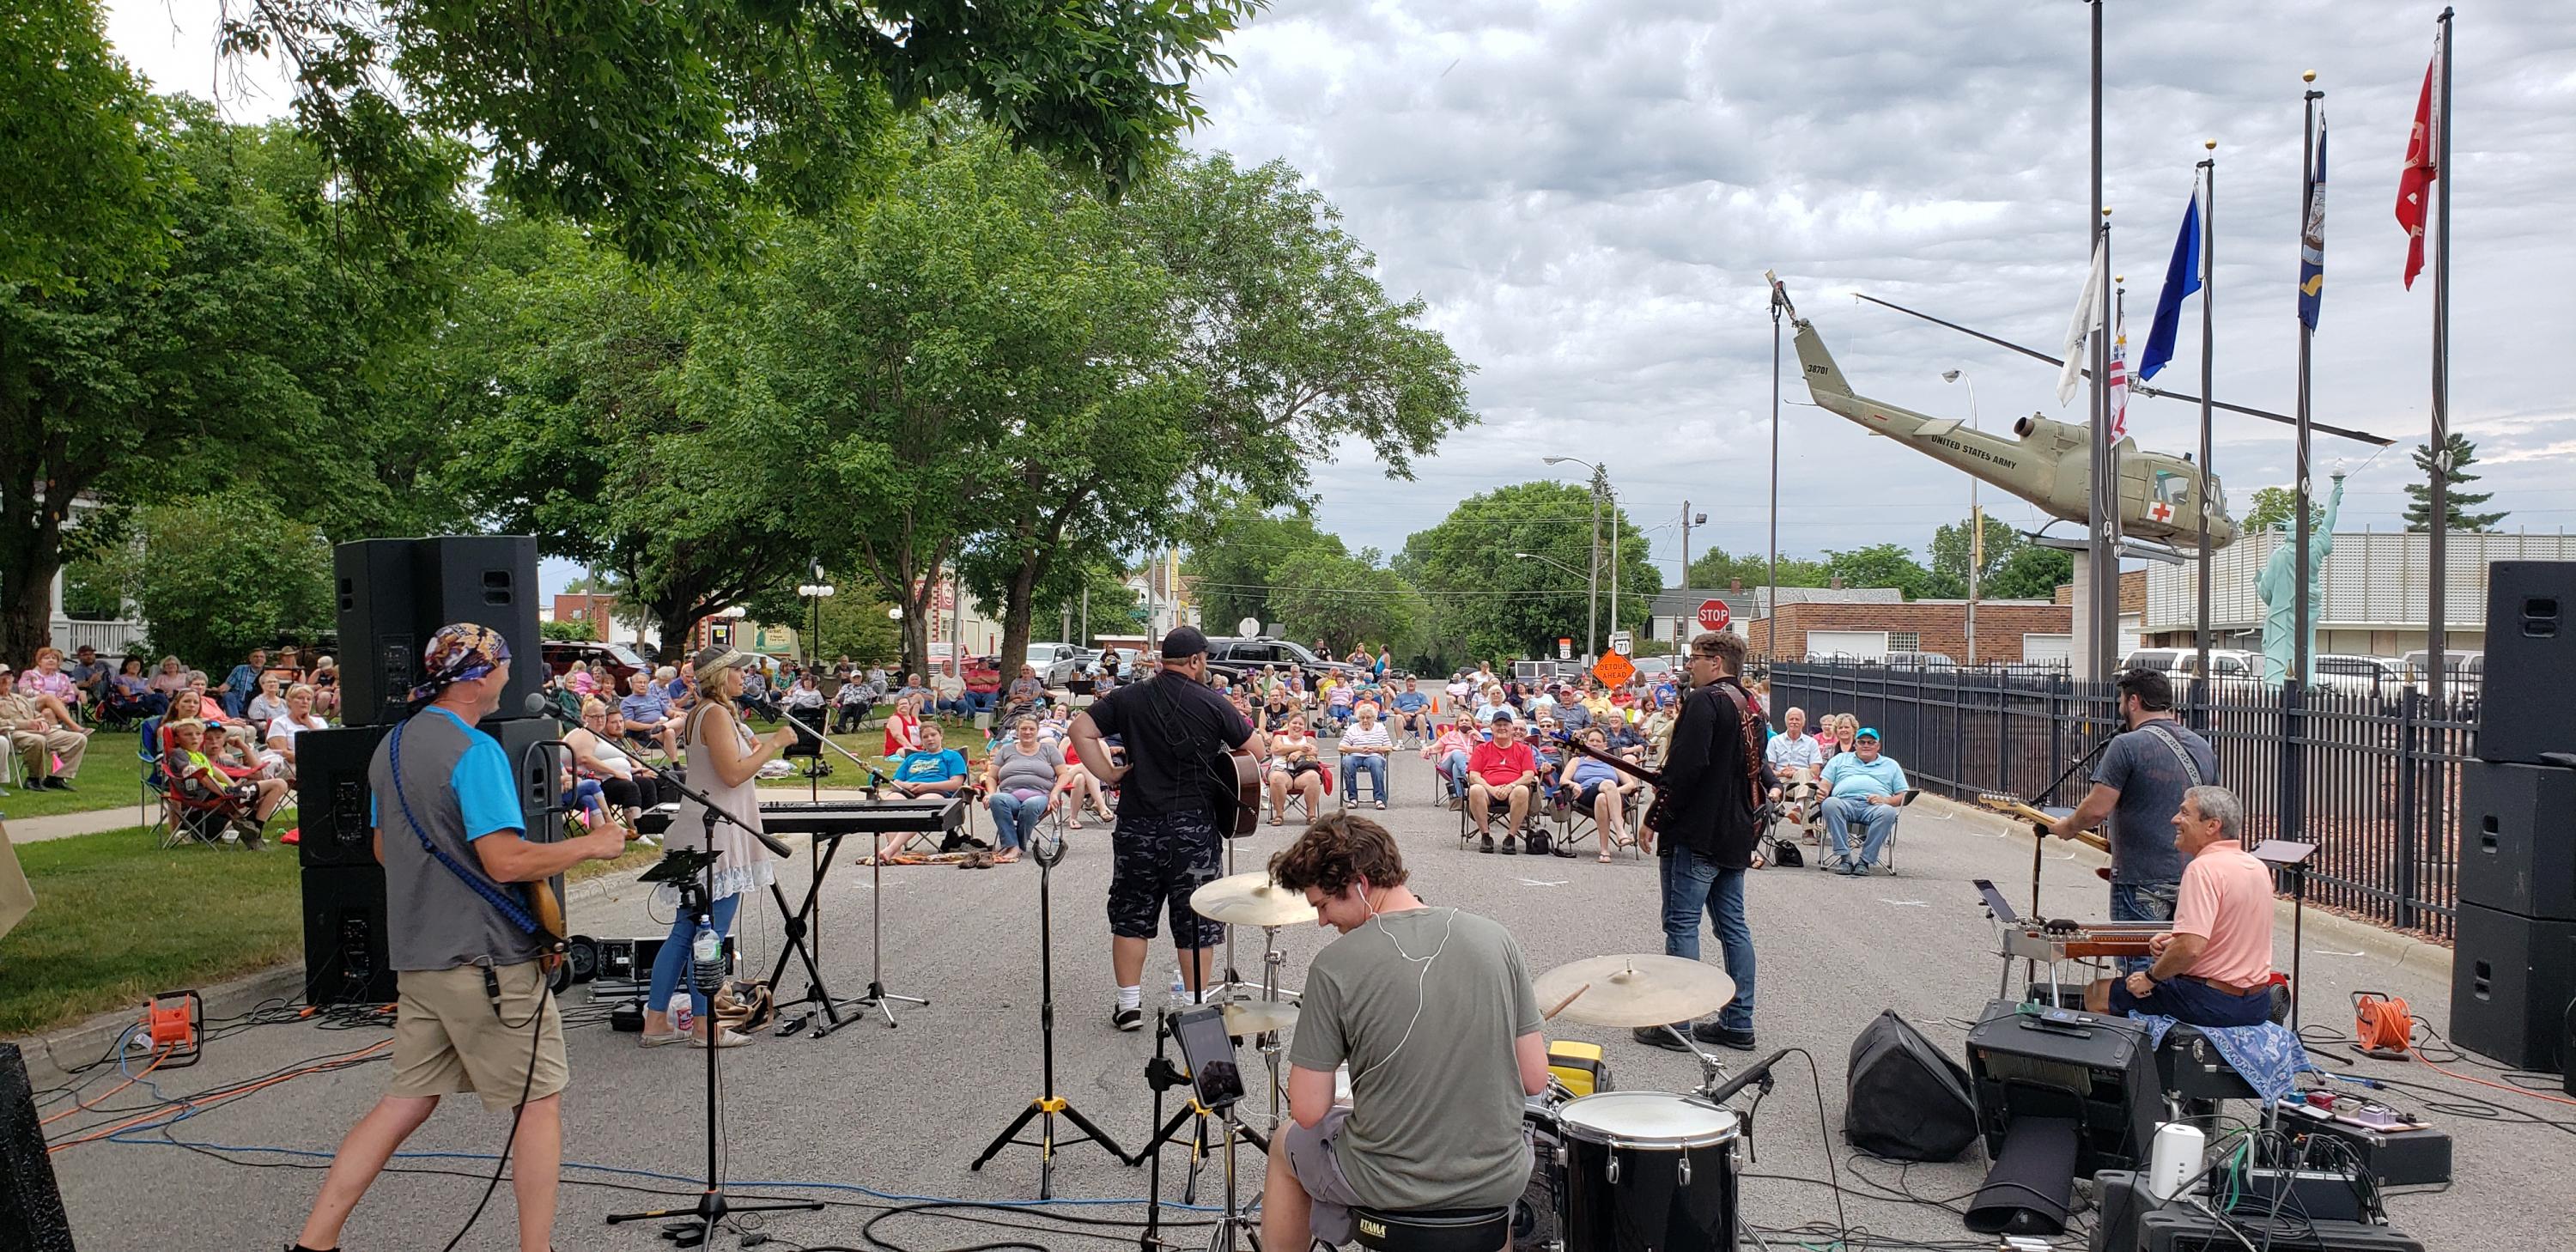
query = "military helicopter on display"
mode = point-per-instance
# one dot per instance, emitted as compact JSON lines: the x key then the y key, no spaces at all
{"x":2047,"y":462}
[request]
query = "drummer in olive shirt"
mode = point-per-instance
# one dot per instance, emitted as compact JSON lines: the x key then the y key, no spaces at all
{"x":1433,"y":1012}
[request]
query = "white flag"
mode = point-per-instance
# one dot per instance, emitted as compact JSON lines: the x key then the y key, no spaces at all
{"x":2088,"y":315}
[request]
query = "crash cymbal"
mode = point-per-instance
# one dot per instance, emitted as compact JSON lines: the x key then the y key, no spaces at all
{"x":1633,"y":990}
{"x":1259,"y":1017}
{"x":1251,"y":900}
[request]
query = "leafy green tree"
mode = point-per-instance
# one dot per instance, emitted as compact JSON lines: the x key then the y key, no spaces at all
{"x":248,"y":356}
{"x":1716,"y":568}
{"x":2030,"y":573}
{"x":83,"y":201}
{"x":218,"y":575}
{"x":577,"y":631}
{"x":2459,"y":455}
{"x":1320,"y":593}
{"x":1950,"y":551}
{"x":1889,"y":565}
{"x":1488,"y":603}
{"x":667,"y":124}
{"x":2276,"y":506}
{"x":1234,"y":552}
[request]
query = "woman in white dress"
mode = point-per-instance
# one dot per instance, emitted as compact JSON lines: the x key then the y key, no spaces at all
{"x":724,"y":759}
{"x":279,"y":757}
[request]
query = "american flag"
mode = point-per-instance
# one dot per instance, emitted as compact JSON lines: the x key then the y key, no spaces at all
{"x":2120,"y":380}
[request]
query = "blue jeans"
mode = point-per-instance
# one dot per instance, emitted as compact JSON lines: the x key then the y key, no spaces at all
{"x":1878,"y":824}
{"x":954,"y":708}
{"x":981,"y":701}
{"x":673,"y":960}
{"x":232,"y":702}
{"x":1352,"y":764}
{"x":2142,"y":902}
{"x":1693,"y":882}
{"x":1015,"y":821}
{"x":1454,"y":766}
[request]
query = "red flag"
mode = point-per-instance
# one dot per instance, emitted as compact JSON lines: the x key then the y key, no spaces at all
{"x":2420,"y":170}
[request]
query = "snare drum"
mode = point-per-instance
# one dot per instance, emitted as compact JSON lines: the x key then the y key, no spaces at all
{"x":1646,"y":1171}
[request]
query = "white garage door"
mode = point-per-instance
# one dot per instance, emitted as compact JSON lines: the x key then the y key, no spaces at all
{"x":1866,"y":644}
{"x":2047,"y":649}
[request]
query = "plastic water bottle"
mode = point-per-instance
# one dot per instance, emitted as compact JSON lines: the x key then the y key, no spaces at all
{"x":707,"y":952}
{"x":1180,"y":990}
{"x":684,"y":1018}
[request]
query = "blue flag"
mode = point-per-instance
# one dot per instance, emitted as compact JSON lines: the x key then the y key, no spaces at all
{"x":2182,"y":277}
{"x":2312,"y":237}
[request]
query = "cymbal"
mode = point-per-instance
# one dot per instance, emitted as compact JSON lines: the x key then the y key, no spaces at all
{"x":1251,"y":899}
{"x":1633,"y":990}
{"x":1259,"y":1017}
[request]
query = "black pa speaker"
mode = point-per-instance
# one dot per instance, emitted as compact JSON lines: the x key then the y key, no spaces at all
{"x":31,"y":1207}
{"x":346,"y":960}
{"x":1906,"y":1101}
{"x":2530,"y":658}
{"x":331,"y":795}
{"x":2511,"y":980}
{"x":2099,"y":1074}
{"x":2518,"y":839}
{"x":394,"y":593}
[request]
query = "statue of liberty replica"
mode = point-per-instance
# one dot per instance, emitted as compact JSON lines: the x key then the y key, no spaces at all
{"x":2278,"y":586}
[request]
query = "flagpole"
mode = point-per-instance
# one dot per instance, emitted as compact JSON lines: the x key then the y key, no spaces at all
{"x":2293,"y":683}
{"x":2439,"y":497}
{"x":2101,"y":559}
{"x":2208,"y":344}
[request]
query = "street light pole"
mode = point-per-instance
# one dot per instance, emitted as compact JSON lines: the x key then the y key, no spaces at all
{"x":1615,"y":546}
{"x":1976,"y":517}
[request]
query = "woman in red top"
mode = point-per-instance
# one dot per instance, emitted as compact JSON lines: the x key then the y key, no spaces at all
{"x":903,"y":727}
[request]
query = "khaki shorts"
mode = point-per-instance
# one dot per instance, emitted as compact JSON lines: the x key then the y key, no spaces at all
{"x":447,"y":1038}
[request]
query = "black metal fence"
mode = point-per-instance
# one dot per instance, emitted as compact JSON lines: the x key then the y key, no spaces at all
{"x":2374,"y":780}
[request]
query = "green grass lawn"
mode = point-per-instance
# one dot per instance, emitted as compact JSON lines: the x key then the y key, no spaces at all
{"x":117,"y":920}
{"x":109,"y":775}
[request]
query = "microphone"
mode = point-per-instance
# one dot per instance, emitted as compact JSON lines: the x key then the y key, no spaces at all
{"x":537,"y":705}
{"x":1761,"y":1072}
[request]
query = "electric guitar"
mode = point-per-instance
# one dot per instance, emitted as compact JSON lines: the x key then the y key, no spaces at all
{"x":2039,"y":818}
{"x":1656,"y":808}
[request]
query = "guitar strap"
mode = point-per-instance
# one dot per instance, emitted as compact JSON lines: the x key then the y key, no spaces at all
{"x":492,"y":892}
{"x":1747,"y":726}
{"x":2165,"y":734}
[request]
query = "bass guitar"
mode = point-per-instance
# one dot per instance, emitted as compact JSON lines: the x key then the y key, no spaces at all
{"x":1656,"y":808}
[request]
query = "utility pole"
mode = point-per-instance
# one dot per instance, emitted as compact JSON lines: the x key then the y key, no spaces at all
{"x":1681,"y":632}
{"x":1592,"y":583}
{"x":1615,"y":545}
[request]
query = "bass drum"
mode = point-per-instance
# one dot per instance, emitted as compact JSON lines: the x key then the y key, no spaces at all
{"x":1646,"y":1171}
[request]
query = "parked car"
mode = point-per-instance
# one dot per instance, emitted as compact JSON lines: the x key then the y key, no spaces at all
{"x":2466,"y":669}
{"x":1239,"y":659}
{"x":1918,"y":660}
{"x":614,"y":659}
{"x":2225,"y":664}
{"x":2385,"y":676}
{"x":1055,"y":662}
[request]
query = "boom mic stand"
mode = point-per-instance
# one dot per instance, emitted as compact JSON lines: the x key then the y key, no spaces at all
{"x":2038,"y":854}
{"x":697,"y":895}
{"x":877,"y":995}
{"x":1046,"y":850}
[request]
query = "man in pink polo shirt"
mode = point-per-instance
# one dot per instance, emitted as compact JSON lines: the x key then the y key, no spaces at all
{"x":2215,"y":967}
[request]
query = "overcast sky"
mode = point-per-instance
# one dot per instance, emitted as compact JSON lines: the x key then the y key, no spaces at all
{"x":1586,"y":193}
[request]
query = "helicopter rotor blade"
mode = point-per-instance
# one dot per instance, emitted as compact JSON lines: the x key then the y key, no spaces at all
{"x":2359,"y":436}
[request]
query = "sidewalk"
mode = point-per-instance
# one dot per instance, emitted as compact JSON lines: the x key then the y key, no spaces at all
{"x":26,"y":830}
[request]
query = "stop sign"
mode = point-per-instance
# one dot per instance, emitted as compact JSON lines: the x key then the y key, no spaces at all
{"x":1713,"y":614}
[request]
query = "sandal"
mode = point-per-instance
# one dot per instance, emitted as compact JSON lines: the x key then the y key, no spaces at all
{"x":1604,"y":858}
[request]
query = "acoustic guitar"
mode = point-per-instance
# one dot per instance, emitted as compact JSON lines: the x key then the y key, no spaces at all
{"x":1235,"y":782}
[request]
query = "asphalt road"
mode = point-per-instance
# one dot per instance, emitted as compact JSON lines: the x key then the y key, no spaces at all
{"x":903,"y":1111}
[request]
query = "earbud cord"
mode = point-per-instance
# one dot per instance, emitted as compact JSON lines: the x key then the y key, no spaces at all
{"x":1421,"y":988}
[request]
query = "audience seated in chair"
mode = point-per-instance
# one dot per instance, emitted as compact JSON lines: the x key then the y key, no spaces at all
{"x":200,"y":781}
{"x":1365,"y":745}
{"x":1502,"y":772}
{"x":1296,"y":767}
{"x":41,"y":731}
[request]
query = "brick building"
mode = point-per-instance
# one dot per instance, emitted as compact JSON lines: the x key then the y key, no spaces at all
{"x":2007,"y":630}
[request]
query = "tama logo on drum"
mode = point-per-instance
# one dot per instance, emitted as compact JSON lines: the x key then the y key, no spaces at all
{"x":1372,"y":1228}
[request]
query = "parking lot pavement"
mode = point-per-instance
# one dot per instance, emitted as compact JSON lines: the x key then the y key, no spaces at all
{"x":903,"y":1111}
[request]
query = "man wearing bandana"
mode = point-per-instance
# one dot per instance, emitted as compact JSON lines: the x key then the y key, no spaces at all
{"x":475,"y":1013}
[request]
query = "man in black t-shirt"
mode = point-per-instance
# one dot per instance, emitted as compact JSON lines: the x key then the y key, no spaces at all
{"x":1167,"y":844}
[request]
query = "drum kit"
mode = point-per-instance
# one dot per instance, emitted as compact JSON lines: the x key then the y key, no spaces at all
{"x":1617,"y":1171}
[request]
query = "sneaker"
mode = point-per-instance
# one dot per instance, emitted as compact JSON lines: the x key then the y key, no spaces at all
{"x":1563,"y":850}
{"x":1456,"y":804}
{"x":1511,"y":846}
{"x":1854,"y":869}
{"x":1486,"y":844}
{"x":1127,"y":1019}
{"x":56,"y":782}
{"x":726,"y":1037}
{"x":1661,"y":1037}
{"x":1710,"y":1032}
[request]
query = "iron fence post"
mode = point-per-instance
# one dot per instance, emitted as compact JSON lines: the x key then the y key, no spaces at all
{"x":2409,"y":828}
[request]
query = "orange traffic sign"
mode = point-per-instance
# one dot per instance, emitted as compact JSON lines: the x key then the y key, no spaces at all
{"x":1614,"y":670}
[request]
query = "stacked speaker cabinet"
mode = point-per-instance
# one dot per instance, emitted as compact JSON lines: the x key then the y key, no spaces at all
{"x":2513,"y":971}
{"x":395,"y":593}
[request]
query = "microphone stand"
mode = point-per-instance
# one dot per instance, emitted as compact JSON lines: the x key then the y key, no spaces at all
{"x":697,"y":896}
{"x":877,"y":996}
{"x":1046,"y":850}
{"x":2038,"y":853}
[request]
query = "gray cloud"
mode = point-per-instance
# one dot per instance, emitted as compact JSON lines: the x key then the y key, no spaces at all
{"x":1587,"y":193}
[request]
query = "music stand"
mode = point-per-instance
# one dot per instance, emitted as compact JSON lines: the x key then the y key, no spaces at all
{"x":2289,"y":856}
